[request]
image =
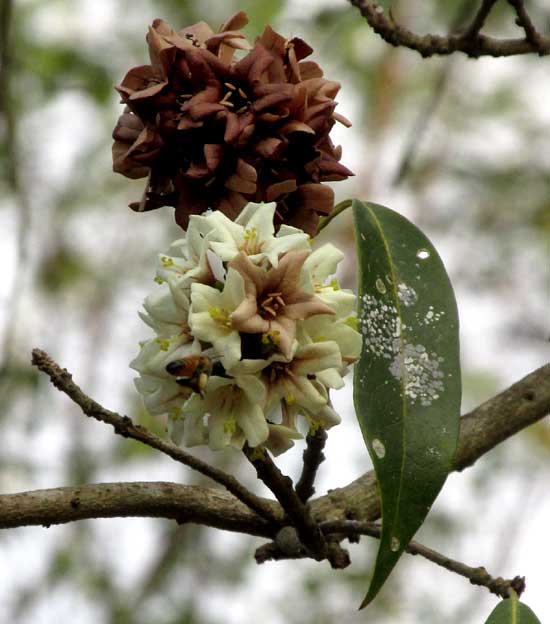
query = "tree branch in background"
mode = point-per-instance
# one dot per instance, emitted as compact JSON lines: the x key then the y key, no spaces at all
{"x":8,"y":108}
{"x":124,"y":426}
{"x":470,"y":42}
{"x":425,"y":116}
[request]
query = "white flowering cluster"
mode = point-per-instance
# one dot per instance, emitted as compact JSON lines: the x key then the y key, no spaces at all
{"x":249,"y":333}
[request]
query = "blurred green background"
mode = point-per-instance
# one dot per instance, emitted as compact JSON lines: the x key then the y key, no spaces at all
{"x":461,"y":147}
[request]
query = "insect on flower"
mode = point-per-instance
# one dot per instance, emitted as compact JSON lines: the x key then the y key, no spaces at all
{"x":192,"y":371}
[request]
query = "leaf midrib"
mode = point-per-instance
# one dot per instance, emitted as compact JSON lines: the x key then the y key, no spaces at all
{"x":403,"y":380}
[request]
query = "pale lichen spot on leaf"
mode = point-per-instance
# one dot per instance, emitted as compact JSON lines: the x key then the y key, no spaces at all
{"x":406,"y":294}
{"x":419,"y":372}
{"x":378,"y":448}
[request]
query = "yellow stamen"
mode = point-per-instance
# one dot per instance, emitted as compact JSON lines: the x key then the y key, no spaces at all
{"x":220,"y":315}
{"x":230,"y":426}
{"x":250,"y":234}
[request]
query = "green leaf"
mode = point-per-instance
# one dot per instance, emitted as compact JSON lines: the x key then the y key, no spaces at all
{"x":407,"y":382}
{"x":512,"y":611}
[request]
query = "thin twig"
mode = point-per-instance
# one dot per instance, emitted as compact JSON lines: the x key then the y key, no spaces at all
{"x":313,"y":457}
{"x":124,"y":426}
{"x":477,"y":23}
{"x":523,"y":20}
{"x":476,"y":576}
{"x":422,"y":122}
{"x":429,"y":45}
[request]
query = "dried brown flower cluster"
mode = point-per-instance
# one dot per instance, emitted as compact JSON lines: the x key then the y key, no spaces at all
{"x":213,"y":131}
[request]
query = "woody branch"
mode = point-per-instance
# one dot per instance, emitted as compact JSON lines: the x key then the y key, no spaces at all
{"x":517,"y":407}
{"x":470,"y":41}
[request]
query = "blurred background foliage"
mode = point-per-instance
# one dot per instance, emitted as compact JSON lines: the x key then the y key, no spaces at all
{"x":461,"y":147}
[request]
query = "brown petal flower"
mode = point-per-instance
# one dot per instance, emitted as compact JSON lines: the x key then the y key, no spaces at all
{"x":212,"y":131}
{"x":274,"y":300}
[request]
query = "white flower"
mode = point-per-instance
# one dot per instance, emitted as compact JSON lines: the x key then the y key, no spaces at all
{"x":190,"y":264}
{"x":293,"y":379}
{"x":167,"y":312}
{"x":210,"y":316}
{"x":233,"y":407}
{"x":161,"y":393}
{"x":251,"y":233}
{"x":317,"y":329}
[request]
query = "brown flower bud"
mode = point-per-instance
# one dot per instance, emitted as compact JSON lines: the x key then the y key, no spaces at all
{"x":213,"y":131}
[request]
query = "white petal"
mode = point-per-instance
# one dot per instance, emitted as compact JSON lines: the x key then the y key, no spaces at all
{"x":327,"y":417}
{"x":281,"y":439}
{"x":253,"y":423}
{"x":233,"y":292}
{"x":194,"y":430}
{"x":323,"y":262}
{"x":261,"y":218}
{"x":253,"y":388}
{"x":330,"y":378}
{"x":219,"y":433}
{"x":341,"y":300}
{"x":204,"y":297}
{"x":316,"y":357}
{"x":249,"y":211}
{"x":216,"y":265}
{"x":226,"y":251}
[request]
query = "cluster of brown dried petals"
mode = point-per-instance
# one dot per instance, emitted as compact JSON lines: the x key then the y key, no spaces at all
{"x":213,"y":131}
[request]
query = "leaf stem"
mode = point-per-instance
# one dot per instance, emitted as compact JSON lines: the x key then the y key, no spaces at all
{"x":335,"y":212}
